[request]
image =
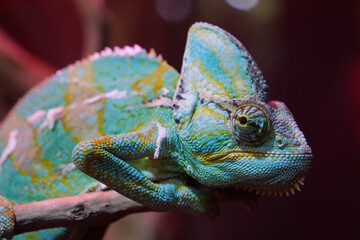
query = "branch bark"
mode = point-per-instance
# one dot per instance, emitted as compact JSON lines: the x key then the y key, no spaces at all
{"x":89,"y":209}
{"x":97,"y":208}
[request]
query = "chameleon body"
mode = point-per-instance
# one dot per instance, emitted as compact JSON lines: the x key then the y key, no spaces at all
{"x":164,"y":139}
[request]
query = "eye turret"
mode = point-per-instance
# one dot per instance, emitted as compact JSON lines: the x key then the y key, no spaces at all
{"x":250,"y":124}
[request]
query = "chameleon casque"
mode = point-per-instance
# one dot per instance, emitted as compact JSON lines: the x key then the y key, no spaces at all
{"x":129,"y":120}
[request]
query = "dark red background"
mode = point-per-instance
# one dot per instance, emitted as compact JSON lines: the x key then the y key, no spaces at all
{"x":308,"y":52}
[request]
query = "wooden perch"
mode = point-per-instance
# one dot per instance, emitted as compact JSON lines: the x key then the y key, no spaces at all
{"x":95,"y":209}
{"x":89,"y":209}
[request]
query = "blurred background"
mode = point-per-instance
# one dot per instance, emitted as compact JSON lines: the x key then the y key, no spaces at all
{"x":309,"y":52}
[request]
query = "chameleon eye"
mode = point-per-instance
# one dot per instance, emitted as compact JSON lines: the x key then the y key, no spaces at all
{"x":243,"y":120}
{"x":250,"y":124}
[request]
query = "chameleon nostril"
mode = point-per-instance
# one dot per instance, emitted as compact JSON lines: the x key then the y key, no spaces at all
{"x":280,"y":143}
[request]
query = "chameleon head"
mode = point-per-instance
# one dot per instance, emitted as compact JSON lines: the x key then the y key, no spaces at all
{"x":230,"y":136}
{"x":246,"y":144}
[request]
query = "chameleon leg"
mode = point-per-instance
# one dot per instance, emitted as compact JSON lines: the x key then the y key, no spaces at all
{"x":104,"y":159}
{"x":7,"y":219}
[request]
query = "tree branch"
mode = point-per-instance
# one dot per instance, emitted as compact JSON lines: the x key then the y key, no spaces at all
{"x":89,"y":209}
{"x":97,"y":208}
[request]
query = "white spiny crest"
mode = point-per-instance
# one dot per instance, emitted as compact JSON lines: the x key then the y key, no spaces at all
{"x":126,"y":51}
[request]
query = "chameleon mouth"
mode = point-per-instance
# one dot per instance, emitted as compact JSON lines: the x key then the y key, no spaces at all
{"x":276,"y":192}
{"x":234,"y":155}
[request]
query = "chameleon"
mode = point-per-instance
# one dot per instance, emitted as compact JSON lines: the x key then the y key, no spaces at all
{"x":124,"y":118}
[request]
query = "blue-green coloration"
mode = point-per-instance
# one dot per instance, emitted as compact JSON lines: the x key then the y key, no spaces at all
{"x":163,"y":145}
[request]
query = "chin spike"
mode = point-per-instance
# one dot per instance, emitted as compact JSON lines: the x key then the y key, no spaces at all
{"x":297,"y":187}
{"x":281,"y":192}
{"x":301,"y":182}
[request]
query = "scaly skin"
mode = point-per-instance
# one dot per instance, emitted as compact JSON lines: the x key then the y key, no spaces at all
{"x":165,"y":147}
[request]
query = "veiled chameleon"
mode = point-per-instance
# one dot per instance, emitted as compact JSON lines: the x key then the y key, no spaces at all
{"x":159,"y":137}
